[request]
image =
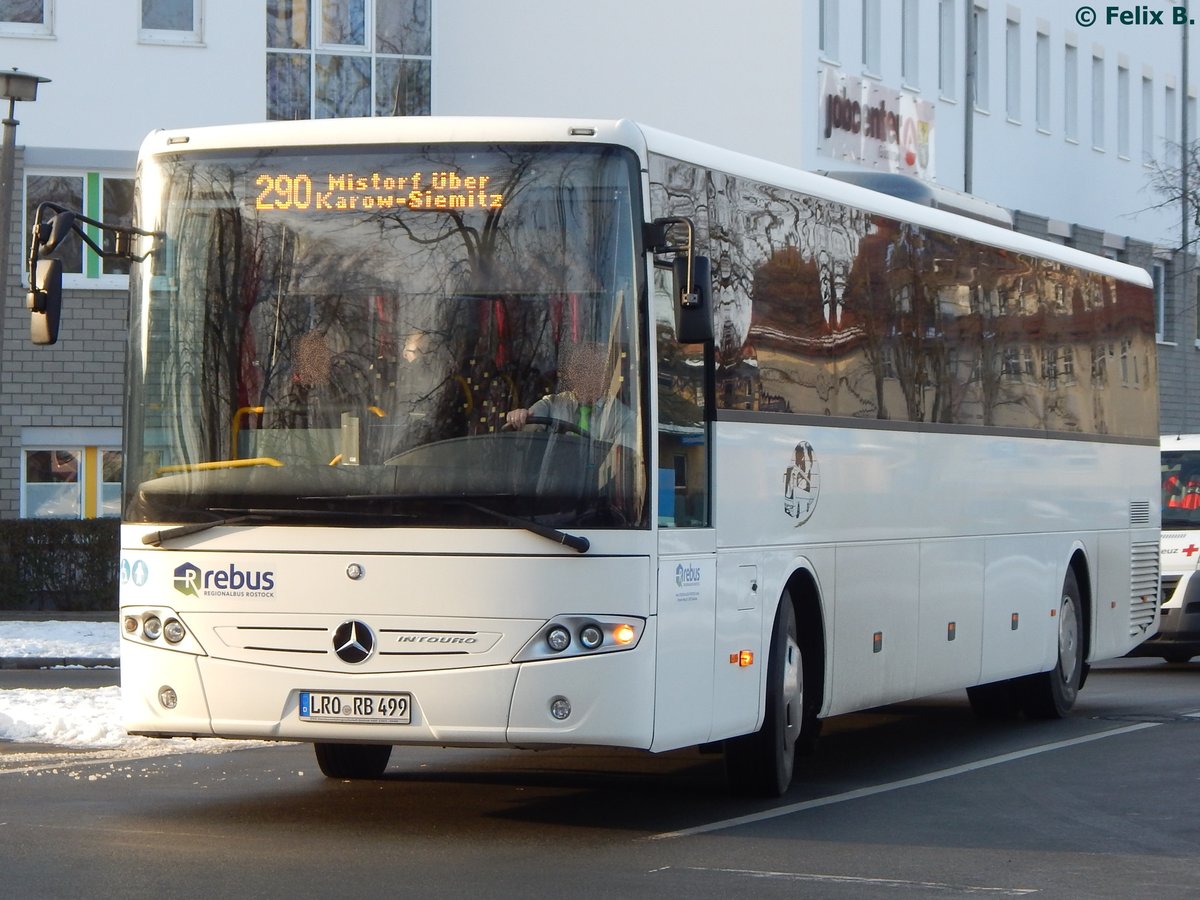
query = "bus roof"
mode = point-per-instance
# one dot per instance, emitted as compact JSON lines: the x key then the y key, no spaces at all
{"x":1180,"y":442}
{"x":642,"y":139}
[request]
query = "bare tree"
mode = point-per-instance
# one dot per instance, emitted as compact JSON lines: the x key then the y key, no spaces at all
{"x":1166,"y":180}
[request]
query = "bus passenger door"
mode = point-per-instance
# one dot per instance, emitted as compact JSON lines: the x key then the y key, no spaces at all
{"x":687,"y":576}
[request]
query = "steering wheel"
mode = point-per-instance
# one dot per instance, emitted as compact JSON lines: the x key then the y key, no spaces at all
{"x":558,"y":426}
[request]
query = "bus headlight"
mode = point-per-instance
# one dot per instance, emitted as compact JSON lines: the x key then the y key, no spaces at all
{"x":158,"y":626}
{"x":558,"y":639}
{"x":593,"y":634}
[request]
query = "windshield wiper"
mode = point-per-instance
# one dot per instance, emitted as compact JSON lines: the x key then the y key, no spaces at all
{"x":156,"y":538}
{"x":576,"y":542}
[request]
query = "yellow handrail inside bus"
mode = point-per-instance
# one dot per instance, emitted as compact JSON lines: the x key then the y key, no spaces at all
{"x":236,"y":426}
{"x":219,"y":464}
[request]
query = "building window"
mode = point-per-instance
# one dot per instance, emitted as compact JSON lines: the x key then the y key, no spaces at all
{"x":1123,"y":112}
{"x":946,"y":68}
{"x":98,"y":195}
{"x":172,"y":22}
{"x":52,"y":484}
{"x":27,"y":18}
{"x":982,"y":67}
{"x":1147,"y":120}
{"x":909,"y":43}
{"x":1043,"y":81}
{"x":1012,"y":79}
{"x":111,"y":464}
{"x":1098,"y":102}
{"x":71,"y":483}
{"x":1071,"y":92}
{"x":335,"y":58}
{"x":872,"y":29}
{"x":1158,"y":275}
{"x":827,"y":28}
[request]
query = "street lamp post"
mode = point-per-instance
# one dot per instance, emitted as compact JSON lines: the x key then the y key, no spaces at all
{"x":14,"y":86}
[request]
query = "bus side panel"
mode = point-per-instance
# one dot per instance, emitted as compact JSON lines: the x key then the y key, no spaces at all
{"x":874,"y":648}
{"x":1020,"y":599}
{"x":950,"y":641}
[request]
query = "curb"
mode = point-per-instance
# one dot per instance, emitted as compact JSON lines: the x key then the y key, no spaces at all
{"x":51,"y":662}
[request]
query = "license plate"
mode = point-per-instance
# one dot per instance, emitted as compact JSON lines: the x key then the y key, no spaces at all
{"x":356,"y":708}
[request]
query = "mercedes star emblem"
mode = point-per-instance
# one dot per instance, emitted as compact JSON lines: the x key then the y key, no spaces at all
{"x":353,"y":641}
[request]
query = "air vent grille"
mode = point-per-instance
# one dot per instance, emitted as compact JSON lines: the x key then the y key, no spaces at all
{"x":1143,"y":600}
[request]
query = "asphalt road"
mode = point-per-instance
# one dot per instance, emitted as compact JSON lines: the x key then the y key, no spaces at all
{"x":910,"y":801}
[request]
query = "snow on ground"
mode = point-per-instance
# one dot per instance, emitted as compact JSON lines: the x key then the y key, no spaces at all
{"x":87,"y":718}
{"x":88,"y":640}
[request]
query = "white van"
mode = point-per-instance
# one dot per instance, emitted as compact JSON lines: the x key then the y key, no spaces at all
{"x":1178,"y":638}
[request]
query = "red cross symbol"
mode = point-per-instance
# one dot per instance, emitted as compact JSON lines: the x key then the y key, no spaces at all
{"x":1189,"y":550}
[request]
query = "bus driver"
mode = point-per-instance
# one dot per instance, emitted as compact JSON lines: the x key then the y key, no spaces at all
{"x":588,"y":401}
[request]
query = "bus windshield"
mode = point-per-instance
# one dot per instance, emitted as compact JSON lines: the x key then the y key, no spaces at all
{"x":341,"y":335}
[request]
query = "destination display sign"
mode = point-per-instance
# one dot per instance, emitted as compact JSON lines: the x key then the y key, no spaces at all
{"x":324,"y":191}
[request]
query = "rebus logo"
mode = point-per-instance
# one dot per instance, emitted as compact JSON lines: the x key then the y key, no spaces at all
{"x":193,"y":581}
{"x":187,"y":579}
{"x":688,"y":574}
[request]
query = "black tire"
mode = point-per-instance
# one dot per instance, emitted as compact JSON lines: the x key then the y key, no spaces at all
{"x":352,"y":760}
{"x":762,"y":763}
{"x":1050,"y":695}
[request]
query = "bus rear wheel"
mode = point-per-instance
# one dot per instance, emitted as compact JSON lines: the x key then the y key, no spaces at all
{"x":762,"y":763}
{"x":1050,"y":695}
{"x":352,"y":760}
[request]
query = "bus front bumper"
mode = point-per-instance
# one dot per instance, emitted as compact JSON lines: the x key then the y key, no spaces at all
{"x":609,"y":701}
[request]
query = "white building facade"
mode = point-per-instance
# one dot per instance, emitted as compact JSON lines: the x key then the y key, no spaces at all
{"x":1058,"y":117}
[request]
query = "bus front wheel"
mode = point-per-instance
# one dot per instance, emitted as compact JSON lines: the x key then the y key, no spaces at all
{"x":762,"y":763}
{"x":352,"y":760}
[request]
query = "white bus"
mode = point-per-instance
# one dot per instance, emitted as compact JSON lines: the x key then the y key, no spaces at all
{"x":1178,"y":637}
{"x":834,"y":449}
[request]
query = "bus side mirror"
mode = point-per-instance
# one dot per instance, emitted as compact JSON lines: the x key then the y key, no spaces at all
{"x":694,"y":323}
{"x":44,"y":301}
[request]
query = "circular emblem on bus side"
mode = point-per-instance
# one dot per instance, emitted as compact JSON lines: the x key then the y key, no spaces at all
{"x":353,"y":641}
{"x":801,"y":484}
